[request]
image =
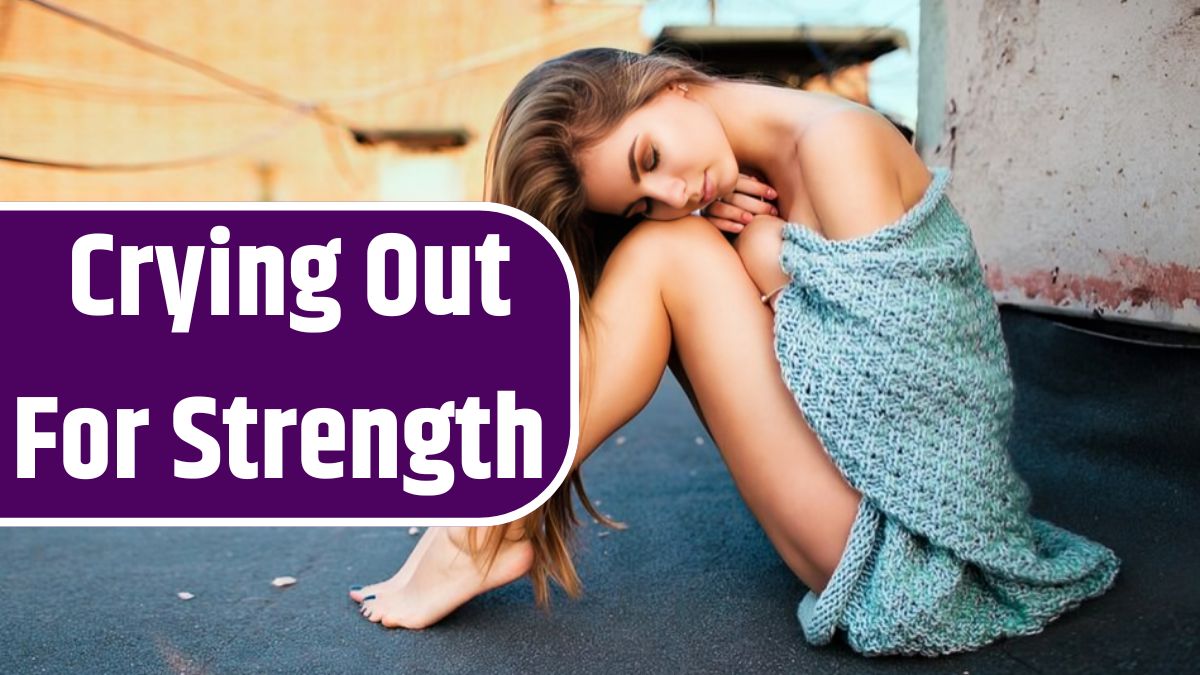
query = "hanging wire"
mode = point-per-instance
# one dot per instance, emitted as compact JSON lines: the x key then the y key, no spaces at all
{"x":69,"y":82}
{"x":211,"y":72}
{"x":35,"y":75}
{"x":304,"y":108}
{"x":299,"y":109}
{"x":237,"y":148}
{"x":474,"y":63}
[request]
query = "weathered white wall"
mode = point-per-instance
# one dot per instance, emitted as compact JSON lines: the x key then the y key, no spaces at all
{"x":1073,"y":131}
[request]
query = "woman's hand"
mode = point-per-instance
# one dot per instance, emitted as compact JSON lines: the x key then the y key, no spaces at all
{"x":749,"y":199}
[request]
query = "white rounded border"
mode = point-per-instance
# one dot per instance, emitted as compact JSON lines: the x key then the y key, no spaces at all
{"x":572,"y":284}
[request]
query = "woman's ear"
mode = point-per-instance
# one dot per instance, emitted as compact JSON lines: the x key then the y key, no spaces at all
{"x":678,"y":88}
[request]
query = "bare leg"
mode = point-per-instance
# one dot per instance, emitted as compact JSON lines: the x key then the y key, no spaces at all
{"x":632,"y":329}
{"x":683,"y":280}
{"x":724,"y":339}
{"x":724,"y":336}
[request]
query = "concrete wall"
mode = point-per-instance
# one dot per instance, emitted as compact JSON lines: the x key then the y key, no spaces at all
{"x":1073,"y":132}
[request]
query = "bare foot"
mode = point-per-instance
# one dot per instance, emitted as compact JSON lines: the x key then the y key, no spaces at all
{"x":439,"y":577}
{"x":401,"y":576}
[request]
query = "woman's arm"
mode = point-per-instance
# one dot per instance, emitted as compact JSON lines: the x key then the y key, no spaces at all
{"x":759,"y":246}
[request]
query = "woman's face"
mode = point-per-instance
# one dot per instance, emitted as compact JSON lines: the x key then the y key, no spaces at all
{"x":665,"y":160}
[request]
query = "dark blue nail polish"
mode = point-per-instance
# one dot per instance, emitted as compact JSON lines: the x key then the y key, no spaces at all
{"x":369,"y":597}
{"x":356,"y":588}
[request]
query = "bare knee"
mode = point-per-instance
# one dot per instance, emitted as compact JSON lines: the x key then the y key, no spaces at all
{"x":641,"y":251}
{"x":689,"y":229}
{"x":692,"y":261}
{"x":759,"y":246}
{"x":673,"y":242}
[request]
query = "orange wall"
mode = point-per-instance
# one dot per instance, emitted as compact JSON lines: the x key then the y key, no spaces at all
{"x":68,"y":93}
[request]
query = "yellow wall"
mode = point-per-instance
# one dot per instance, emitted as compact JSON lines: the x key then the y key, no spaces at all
{"x":68,"y":93}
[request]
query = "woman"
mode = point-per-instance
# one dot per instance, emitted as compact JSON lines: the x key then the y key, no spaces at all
{"x":913,"y":536}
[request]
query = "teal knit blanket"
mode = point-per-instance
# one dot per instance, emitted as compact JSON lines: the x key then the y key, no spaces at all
{"x":891,"y":346}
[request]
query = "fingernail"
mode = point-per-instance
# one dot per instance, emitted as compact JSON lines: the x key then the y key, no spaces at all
{"x":356,"y":588}
{"x":774,"y":211}
{"x":369,"y":597}
{"x":771,"y":194}
{"x":746,"y":217}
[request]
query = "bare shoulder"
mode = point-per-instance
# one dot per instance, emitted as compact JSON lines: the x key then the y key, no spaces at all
{"x":859,"y":171}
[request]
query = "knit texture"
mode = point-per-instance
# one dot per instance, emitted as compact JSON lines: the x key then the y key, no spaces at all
{"x":891,"y":346}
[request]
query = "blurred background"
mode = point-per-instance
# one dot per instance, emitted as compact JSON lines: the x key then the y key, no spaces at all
{"x":410,"y":89}
{"x":1070,"y":126}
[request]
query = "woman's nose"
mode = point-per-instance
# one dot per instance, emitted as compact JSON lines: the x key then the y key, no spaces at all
{"x":671,"y":191}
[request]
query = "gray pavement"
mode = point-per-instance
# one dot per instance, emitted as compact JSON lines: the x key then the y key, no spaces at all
{"x":1107,"y":435}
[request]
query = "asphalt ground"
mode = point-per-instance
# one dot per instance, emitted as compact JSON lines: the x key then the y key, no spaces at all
{"x":1107,"y":436}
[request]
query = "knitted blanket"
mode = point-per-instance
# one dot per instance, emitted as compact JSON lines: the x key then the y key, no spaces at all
{"x":891,"y":346}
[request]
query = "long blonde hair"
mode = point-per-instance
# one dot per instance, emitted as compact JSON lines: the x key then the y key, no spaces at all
{"x":560,"y":108}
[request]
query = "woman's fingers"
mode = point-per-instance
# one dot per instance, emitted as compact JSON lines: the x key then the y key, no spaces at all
{"x":752,"y":205}
{"x":751,"y":186}
{"x":740,"y":209}
{"x":725,"y":224}
{"x":748,"y":200}
{"x":727,"y":212}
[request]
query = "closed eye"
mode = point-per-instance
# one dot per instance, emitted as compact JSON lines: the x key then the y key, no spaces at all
{"x":648,"y":203}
